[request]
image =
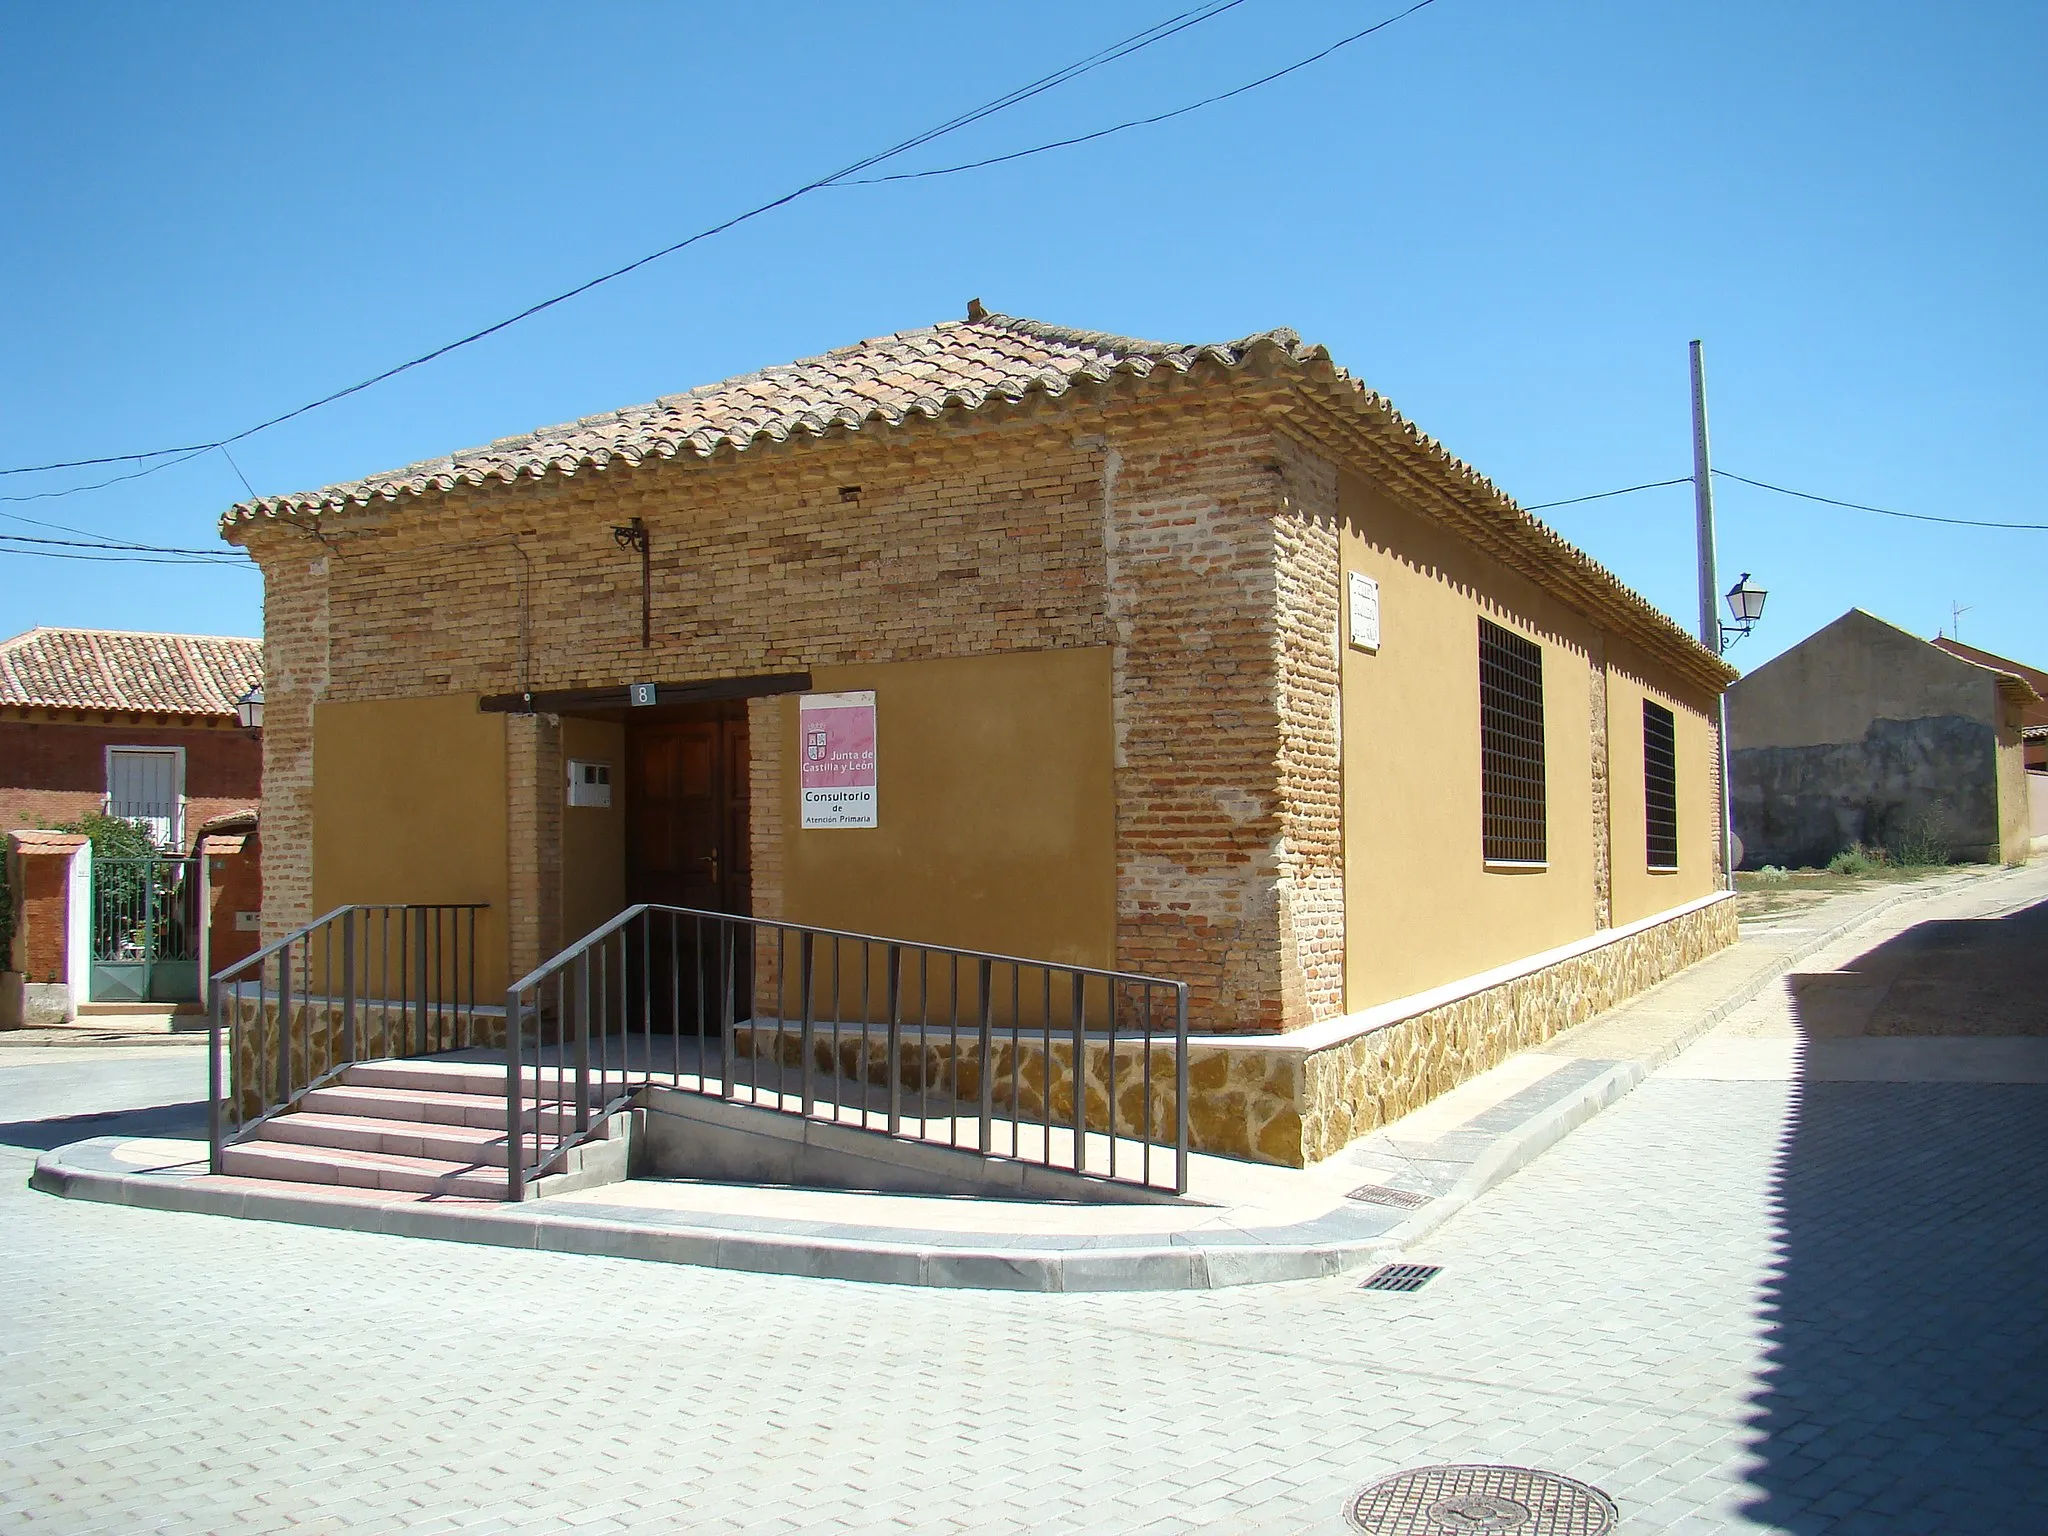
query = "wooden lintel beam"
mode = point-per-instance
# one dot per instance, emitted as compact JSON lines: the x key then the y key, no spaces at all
{"x":701,"y":690}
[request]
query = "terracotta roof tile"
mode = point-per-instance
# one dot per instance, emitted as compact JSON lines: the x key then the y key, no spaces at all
{"x":888,"y":380}
{"x":967,"y":365}
{"x":127,"y":671}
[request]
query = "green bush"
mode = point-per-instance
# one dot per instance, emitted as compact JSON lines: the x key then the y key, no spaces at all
{"x":111,"y":836}
{"x":1858,"y":860}
{"x":1773,"y":873}
{"x":1920,"y":846}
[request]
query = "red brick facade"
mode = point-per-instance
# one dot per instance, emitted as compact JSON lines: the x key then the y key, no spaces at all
{"x":53,"y":768}
{"x":40,"y":866}
{"x":234,"y":875}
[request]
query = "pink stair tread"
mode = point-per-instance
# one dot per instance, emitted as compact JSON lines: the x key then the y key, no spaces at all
{"x":406,"y":1129}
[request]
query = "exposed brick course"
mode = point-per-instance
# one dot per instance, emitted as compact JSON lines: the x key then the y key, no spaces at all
{"x":54,"y":769}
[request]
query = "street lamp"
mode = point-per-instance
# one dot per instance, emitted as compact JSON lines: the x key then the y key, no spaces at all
{"x":1747,"y":604}
{"x":249,"y":709}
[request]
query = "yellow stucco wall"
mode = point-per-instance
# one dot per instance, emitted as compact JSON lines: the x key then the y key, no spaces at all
{"x":409,"y":805}
{"x":593,"y":838}
{"x":2015,"y":805}
{"x":1421,"y":906}
{"x":1638,"y":893}
{"x":995,"y":803}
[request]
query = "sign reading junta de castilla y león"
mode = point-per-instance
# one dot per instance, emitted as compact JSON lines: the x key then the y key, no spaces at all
{"x":837,"y":738}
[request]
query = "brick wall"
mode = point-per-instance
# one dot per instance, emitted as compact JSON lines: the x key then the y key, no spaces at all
{"x":52,"y":770}
{"x":1174,"y":524}
{"x":1308,"y":640}
{"x":39,"y":878}
{"x":1603,"y":828}
{"x":1189,"y":504}
{"x":234,"y":883}
{"x":295,"y":662}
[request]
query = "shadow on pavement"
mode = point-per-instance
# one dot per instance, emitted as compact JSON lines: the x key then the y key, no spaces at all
{"x":174,"y":1120}
{"x":1907,"y":1383}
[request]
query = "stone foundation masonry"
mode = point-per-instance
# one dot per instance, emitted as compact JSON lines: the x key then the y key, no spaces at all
{"x":1292,"y":1099}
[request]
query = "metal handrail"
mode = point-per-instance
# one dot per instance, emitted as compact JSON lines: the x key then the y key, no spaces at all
{"x":227,"y":973}
{"x":338,"y":972}
{"x":702,"y":980}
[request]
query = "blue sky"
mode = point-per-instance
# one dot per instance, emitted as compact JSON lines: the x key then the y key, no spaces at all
{"x":1509,"y":217}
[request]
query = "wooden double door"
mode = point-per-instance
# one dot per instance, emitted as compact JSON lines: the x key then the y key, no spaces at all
{"x":687,"y":846}
{"x":686,"y":809}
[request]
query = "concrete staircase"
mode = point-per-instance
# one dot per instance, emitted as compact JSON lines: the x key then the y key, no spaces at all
{"x":423,"y":1127}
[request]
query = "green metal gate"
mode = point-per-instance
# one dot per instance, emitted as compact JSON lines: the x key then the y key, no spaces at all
{"x":145,"y":930}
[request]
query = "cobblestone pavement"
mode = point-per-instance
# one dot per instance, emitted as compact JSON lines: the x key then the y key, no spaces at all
{"x":1738,"y":1300}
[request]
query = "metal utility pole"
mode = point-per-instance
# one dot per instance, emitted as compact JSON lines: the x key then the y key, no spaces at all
{"x":1710,"y":616}
{"x":1703,"y":505}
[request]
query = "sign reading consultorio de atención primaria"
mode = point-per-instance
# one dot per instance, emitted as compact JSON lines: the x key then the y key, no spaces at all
{"x":836,"y":737}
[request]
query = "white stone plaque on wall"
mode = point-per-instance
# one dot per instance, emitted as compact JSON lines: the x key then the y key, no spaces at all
{"x":1364,"y":605}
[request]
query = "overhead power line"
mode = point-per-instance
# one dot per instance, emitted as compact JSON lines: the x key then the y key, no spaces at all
{"x":1141,"y":122}
{"x":101,"y":485}
{"x":8,"y":548}
{"x":223,"y":555}
{"x":1857,"y":506}
{"x":1786,"y":490}
{"x":1156,"y":33}
{"x":1626,"y":490}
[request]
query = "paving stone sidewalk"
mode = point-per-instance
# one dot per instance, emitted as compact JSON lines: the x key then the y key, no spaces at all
{"x":1739,"y":1300}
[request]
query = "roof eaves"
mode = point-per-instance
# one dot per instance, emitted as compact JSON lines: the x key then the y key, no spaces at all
{"x":1500,"y":524}
{"x":550,"y":451}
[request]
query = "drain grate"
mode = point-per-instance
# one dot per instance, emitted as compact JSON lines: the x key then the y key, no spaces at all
{"x":1380,"y":1194}
{"x":1437,"y":1501}
{"x":1401,"y":1277}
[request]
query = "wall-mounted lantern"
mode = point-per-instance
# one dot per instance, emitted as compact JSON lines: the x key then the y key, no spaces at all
{"x":1747,"y":604}
{"x":249,"y":709}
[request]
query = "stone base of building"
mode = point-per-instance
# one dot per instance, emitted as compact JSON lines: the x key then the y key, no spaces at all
{"x":1292,"y":1099}
{"x":320,"y":1028}
{"x":47,"y":1003}
{"x":1299,"y":1098}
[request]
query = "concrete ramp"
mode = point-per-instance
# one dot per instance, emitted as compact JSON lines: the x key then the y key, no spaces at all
{"x":692,"y":1135}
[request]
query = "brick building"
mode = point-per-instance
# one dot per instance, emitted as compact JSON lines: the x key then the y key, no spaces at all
{"x":1192,"y":660}
{"x":141,"y":725}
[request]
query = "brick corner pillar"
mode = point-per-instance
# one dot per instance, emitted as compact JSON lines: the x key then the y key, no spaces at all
{"x":295,"y":662}
{"x":533,"y":841}
{"x":1308,"y":649}
{"x":765,"y":807}
{"x":1229,"y":847}
{"x":49,"y":880}
{"x":1603,"y":792}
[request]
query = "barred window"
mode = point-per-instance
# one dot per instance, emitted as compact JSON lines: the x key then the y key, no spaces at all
{"x":1660,"y":785}
{"x":1511,"y":747}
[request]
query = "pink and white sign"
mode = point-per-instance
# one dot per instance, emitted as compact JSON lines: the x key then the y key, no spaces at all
{"x":836,"y":736}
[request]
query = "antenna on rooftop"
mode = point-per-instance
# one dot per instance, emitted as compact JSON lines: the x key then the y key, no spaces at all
{"x":1955,"y":619}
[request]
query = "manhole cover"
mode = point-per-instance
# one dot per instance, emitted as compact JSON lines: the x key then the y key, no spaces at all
{"x":1448,"y":1501}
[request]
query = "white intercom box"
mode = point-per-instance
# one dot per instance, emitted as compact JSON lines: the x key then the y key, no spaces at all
{"x":590,"y":783}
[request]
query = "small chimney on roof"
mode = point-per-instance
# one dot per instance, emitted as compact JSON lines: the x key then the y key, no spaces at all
{"x":975,"y":311}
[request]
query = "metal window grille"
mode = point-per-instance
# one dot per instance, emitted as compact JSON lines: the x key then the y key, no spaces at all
{"x":1660,"y":785}
{"x":1511,"y":747}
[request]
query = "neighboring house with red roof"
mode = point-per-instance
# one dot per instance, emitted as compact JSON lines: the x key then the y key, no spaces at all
{"x":2033,"y":730}
{"x":2034,"y":716}
{"x":136,"y":724}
